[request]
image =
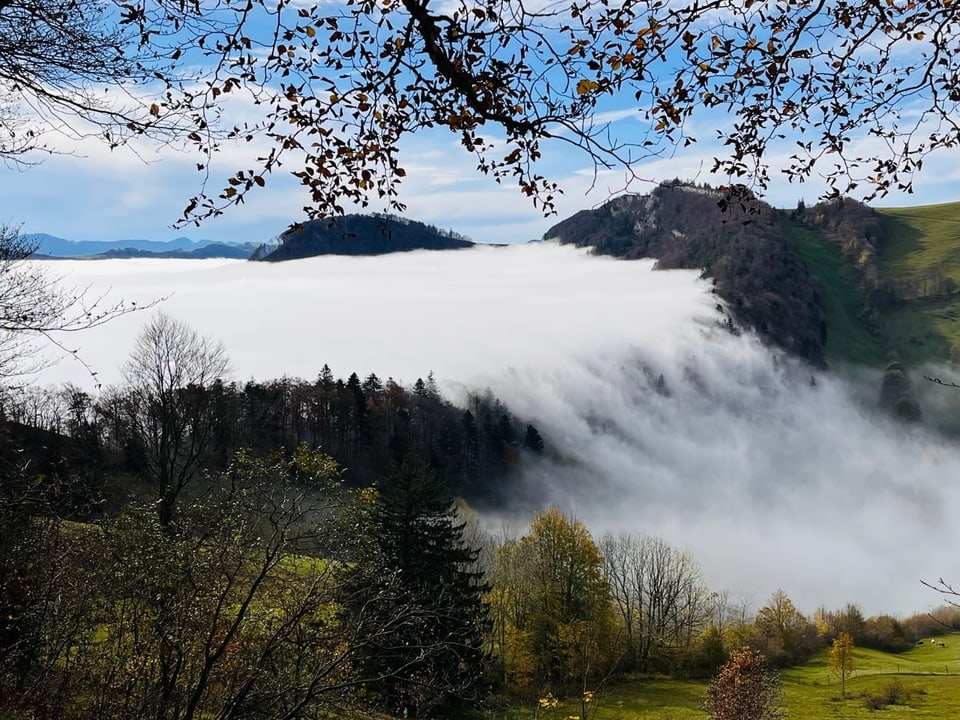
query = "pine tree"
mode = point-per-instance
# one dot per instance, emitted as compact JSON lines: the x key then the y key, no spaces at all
{"x":416,"y":599}
{"x":532,"y":441}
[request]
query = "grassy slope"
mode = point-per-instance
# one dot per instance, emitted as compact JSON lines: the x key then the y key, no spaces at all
{"x":850,"y":337}
{"x":810,"y":691}
{"x":918,"y":239}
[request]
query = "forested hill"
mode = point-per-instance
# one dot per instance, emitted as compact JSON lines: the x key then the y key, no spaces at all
{"x":737,"y":241}
{"x":360,"y":235}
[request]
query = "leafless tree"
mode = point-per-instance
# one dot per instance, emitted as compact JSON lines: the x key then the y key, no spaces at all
{"x":659,"y":592}
{"x":74,"y":67}
{"x":166,"y":403}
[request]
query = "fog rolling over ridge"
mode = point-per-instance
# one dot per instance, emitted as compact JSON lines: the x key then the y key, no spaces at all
{"x":768,"y":479}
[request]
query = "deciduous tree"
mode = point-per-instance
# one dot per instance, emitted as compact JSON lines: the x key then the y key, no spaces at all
{"x":80,"y":68}
{"x":552,"y":606}
{"x":340,"y":87}
{"x":167,"y":405}
{"x":660,"y":594}
{"x":841,"y":660}
{"x":745,"y":689}
{"x":36,"y":305}
{"x":782,"y":630}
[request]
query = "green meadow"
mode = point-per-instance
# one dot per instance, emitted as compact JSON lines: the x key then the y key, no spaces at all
{"x":851,"y":336}
{"x":918,"y":243}
{"x":925,"y":681}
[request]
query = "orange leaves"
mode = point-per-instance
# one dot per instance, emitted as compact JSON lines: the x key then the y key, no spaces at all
{"x":587,"y":86}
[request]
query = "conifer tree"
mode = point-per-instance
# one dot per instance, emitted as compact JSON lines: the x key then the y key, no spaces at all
{"x":417,"y":569}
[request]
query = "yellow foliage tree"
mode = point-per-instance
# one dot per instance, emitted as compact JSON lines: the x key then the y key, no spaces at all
{"x":841,"y":660}
{"x":549,"y":595}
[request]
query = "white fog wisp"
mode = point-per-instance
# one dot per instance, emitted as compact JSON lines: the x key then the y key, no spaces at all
{"x":772,"y":476}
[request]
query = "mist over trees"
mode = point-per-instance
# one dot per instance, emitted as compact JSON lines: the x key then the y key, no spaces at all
{"x":276,"y":585}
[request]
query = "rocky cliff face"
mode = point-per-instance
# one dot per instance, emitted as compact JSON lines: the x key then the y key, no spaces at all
{"x":736,"y":240}
{"x":359,"y":235}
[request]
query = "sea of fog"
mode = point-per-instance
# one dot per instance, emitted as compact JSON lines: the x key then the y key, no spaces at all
{"x":771,"y":475}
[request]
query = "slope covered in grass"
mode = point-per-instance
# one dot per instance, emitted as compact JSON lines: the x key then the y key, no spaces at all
{"x":911,"y":307}
{"x":928,"y":678}
{"x":921,"y":242}
{"x":851,"y":336}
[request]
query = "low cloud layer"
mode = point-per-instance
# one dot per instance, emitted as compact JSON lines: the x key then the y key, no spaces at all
{"x":771,"y":475}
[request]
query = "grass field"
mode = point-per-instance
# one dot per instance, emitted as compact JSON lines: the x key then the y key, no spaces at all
{"x":918,"y":242}
{"x":930,"y":674}
{"x":850,"y":336}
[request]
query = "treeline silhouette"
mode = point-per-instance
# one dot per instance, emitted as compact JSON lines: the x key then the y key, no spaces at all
{"x":368,"y":426}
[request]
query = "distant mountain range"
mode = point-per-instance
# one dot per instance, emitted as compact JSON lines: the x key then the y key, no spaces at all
{"x":347,"y":235}
{"x":50,"y":246}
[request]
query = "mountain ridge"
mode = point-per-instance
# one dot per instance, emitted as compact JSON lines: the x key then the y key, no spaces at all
{"x":733,"y":237}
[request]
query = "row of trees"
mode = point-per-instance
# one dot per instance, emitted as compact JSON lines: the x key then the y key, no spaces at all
{"x":177,"y":415}
{"x":567,"y":611}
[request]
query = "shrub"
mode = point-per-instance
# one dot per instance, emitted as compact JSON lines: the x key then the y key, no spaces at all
{"x":893,"y":693}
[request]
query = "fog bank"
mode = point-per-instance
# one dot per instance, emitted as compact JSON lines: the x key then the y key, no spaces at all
{"x":772,"y":477}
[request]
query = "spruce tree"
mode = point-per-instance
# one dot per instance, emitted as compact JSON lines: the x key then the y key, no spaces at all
{"x":416,"y":600}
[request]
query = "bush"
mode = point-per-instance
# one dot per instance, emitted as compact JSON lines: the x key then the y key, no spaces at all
{"x":893,"y":693}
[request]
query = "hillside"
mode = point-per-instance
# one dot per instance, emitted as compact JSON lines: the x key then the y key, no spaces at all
{"x":359,"y":235}
{"x":925,"y":681}
{"x":890,"y":278}
{"x":836,"y":282}
{"x":739,"y":243}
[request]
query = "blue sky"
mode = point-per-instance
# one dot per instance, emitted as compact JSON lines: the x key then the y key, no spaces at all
{"x":92,"y":193}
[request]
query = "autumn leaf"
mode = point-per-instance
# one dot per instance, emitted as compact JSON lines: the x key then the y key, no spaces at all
{"x":585,"y":86}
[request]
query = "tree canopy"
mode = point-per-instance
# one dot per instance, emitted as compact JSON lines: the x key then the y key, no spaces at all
{"x":858,"y":94}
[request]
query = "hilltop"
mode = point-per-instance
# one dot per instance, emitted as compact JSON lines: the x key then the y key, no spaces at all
{"x":359,"y":235}
{"x":738,"y":242}
{"x":836,"y":282}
